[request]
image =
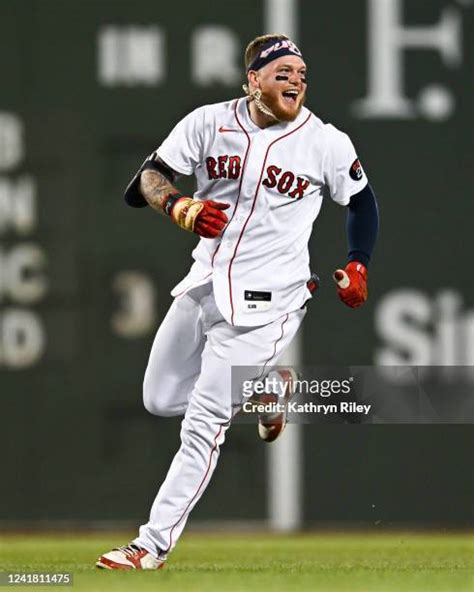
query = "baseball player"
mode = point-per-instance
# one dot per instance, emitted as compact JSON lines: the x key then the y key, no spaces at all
{"x":263,"y":163}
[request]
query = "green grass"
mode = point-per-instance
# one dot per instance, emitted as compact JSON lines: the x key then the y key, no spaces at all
{"x":216,"y":562}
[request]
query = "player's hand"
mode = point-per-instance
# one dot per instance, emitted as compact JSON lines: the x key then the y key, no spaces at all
{"x":205,"y":218}
{"x":352,"y":284}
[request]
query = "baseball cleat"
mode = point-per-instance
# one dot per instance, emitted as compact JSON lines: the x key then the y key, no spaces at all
{"x":271,"y":425}
{"x":129,"y":557}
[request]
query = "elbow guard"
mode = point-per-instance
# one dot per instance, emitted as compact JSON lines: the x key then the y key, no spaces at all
{"x":132,"y":194}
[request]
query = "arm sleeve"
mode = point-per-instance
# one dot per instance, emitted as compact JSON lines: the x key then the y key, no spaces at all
{"x":362,"y":225}
{"x":183,"y":148}
{"x":344,"y":174}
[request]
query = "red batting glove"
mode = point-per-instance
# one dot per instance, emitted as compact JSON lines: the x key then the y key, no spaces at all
{"x":211,"y":220}
{"x":352,"y":284}
{"x":205,"y":218}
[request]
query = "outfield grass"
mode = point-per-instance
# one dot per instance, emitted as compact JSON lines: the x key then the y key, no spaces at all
{"x":215,"y":562}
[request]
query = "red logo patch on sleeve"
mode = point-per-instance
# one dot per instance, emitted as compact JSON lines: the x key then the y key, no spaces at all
{"x":355,"y":171}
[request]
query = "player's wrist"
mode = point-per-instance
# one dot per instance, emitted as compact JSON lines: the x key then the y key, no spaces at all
{"x":170,"y":200}
{"x":360,"y":257}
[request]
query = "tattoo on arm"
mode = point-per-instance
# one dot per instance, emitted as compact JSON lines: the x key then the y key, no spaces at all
{"x":155,"y":188}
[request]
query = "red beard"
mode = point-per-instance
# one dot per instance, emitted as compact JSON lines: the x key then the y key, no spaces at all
{"x":283,"y":111}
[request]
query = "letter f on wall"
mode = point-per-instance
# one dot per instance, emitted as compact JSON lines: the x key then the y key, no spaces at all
{"x":386,"y":42}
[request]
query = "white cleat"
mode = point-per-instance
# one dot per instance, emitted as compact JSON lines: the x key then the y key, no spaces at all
{"x":129,"y":557}
{"x":271,"y":425}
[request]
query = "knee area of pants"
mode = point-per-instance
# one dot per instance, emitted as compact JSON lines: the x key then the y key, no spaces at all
{"x":149,"y":404}
{"x":155,"y":408}
{"x":155,"y":400}
{"x":149,"y":401}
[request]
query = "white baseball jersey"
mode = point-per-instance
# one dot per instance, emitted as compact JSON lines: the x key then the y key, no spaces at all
{"x":274,"y":179}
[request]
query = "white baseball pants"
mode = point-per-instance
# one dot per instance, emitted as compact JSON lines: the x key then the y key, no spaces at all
{"x":189,"y":372}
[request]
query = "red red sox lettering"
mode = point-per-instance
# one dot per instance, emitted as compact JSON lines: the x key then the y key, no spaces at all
{"x":285,"y":181}
{"x":229,"y":167}
{"x":224,"y":167}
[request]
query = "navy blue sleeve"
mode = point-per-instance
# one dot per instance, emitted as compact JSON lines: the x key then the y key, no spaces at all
{"x":362,"y":225}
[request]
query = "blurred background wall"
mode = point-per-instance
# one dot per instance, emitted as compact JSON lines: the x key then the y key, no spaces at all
{"x":87,"y":90}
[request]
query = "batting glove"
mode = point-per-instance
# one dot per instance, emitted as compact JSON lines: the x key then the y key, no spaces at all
{"x":205,"y":218}
{"x":352,"y":284}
